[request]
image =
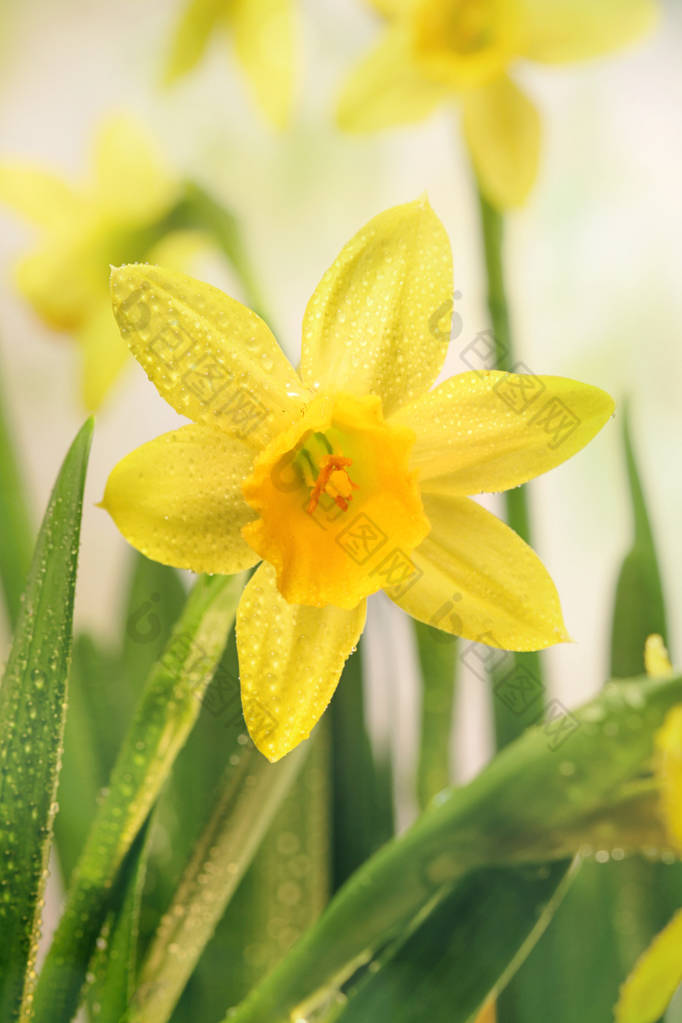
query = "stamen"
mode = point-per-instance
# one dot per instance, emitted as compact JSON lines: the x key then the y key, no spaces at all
{"x":331,"y":465}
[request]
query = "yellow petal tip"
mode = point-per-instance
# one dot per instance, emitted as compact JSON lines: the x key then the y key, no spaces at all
{"x":656,"y":659}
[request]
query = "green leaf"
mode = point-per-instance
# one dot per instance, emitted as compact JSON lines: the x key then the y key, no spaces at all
{"x":82,"y":774}
{"x":626,"y":901}
{"x":165,"y":714}
{"x":639,"y":608}
{"x":362,"y":785}
{"x":533,"y":803}
{"x":453,"y":962}
{"x":115,"y":965}
{"x":154,"y":601}
{"x":104,"y":687}
{"x":437,"y":660}
{"x":190,"y":793}
{"x":250,"y":794}
{"x":32,"y":713}
{"x":575,"y":971}
{"x":287,"y":886}
{"x":16,"y":534}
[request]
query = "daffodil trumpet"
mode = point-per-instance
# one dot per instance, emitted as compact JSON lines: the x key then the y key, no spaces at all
{"x":350,"y":476}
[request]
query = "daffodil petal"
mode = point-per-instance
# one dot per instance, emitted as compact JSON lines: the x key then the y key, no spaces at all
{"x":368,"y":328}
{"x":132,"y":183}
{"x":209,"y":356}
{"x":566,"y":30}
{"x":649,"y":989}
{"x":490,"y":431}
{"x":656,"y":658}
{"x":191,"y":36}
{"x":64,"y":278}
{"x":474,"y":577}
{"x":265,"y":42}
{"x":290,"y":661}
{"x":178,"y":500}
{"x":502,"y":129}
{"x":387,"y":88}
{"x":104,"y":354}
{"x":37,"y":195}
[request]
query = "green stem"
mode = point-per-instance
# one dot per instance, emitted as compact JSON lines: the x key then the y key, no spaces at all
{"x":362,"y":791}
{"x":437,"y":653}
{"x":16,"y":535}
{"x":508,"y":725}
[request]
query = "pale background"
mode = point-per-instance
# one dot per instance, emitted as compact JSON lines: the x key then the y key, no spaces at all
{"x":593,"y":264}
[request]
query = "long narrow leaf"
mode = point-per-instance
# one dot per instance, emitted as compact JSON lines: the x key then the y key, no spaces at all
{"x":82,"y":774}
{"x":115,"y":964}
{"x":639,"y":606}
{"x":32,"y":713}
{"x":285,"y":889}
{"x":192,"y":789}
{"x":251,"y":793}
{"x":104,"y":686}
{"x":465,"y":950}
{"x":165,"y":715}
{"x":629,"y":901}
{"x":525,"y":807}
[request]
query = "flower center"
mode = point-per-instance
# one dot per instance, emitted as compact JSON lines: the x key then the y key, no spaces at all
{"x":325,"y":472}
{"x":336,"y":499}
{"x":464,"y":42}
{"x":469,"y":27}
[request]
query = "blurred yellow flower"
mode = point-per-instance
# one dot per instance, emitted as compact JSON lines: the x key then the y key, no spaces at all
{"x":347,"y":477}
{"x":435,"y":51}
{"x":264,"y":35}
{"x":116,"y":217}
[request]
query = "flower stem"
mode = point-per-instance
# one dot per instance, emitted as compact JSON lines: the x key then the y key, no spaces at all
{"x":527,"y":667}
{"x":16,"y":534}
{"x":437,"y":652}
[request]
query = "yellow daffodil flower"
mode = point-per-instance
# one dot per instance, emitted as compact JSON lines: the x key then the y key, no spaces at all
{"x":114,"y":218}
{"x":264,"y":34}
{"x":434,"y":51}
{"x":347,"y":477}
